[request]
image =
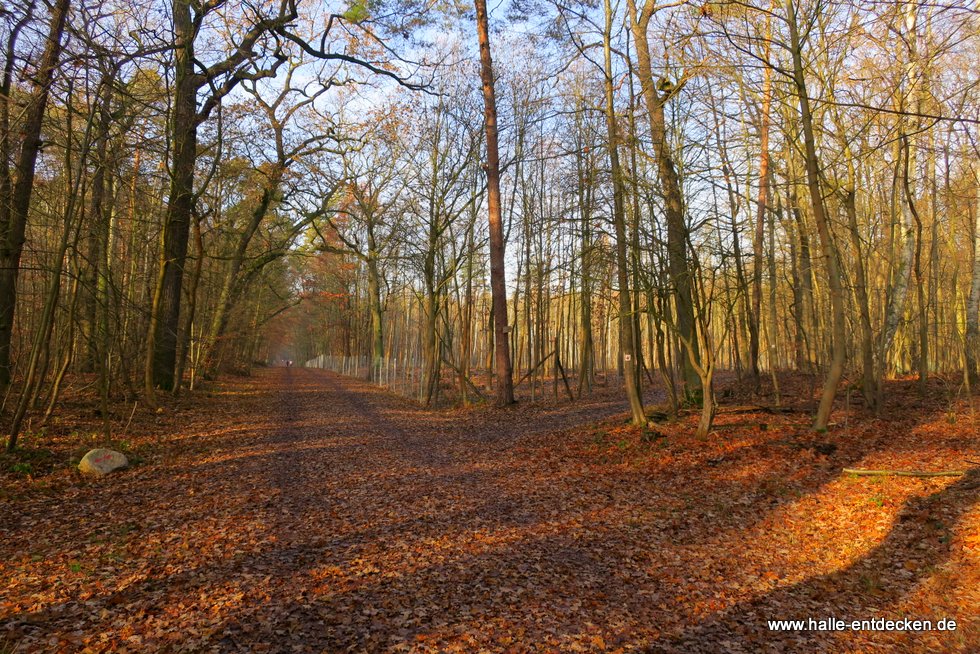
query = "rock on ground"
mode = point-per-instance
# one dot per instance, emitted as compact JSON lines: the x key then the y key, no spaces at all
{"x":102,"y":461}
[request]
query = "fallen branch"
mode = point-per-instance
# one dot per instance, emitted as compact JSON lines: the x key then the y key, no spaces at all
{"x":464,"y":378}
{"x":564,"y":377}
{"x":534,"y":369}
{"x":903,"y":473}
{"x":737,"y":410}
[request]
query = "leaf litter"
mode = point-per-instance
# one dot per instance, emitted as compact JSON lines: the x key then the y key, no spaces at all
{"x":300,"y":511}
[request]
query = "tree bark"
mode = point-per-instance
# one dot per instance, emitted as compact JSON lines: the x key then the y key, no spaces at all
{"x":185,"y":120}
{"x":13,"y":222}
{"x":973,"y":303}
{"x":586,"y":376}
{"x":626,"y":322}
{"x":377,"y":325}
{"x":101,"y":254}
{"x":498,"y":289}
{"x":807,"y":306}
{"x":162,"y":341}
{"x":868,"y":376}
{"x":185,"y":342}
{"x":466,"y":341}
{"x":677,"y":231}
{"x":755,"y":316}
{"x":228,"y":295}
{"x":838,"y":319}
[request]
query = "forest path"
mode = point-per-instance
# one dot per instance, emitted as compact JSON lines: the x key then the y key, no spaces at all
{"x":323,"y":514}
{"x":301,"y":511}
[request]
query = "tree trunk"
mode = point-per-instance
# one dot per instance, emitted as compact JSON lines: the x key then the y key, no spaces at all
{"x":773,"y":315}
{"x":920,"y":291}
{"x":498,"y":288}
{"x":755,"y":315}
{"x":838,"y":319}
{"x":165,"y":321}
{"x":807,"y":308}
{"x":466,"y":342}
{"x":185,"y":341}
{"x":101,"y":262}
{"x":673,"y":198}
{"x":228,"y":296}
{"x":377,"y":327}
{"x":626,"y":321}
{"x":13,"y":221}
{"x":586,"y":376}
{"x":799,"y":336}
{"x":973,"y":303}
{"x":868,"y":376}
{"x":430,"y":344}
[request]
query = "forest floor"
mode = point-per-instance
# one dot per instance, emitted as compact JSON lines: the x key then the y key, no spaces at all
{"x":300,"y":511}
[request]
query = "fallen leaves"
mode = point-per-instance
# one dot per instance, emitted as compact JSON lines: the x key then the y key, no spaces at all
{"x":299,"y":511}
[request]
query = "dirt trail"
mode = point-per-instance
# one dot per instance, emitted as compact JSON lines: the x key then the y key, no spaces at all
{"x":324,"y":515}
{"x":338,"y":518}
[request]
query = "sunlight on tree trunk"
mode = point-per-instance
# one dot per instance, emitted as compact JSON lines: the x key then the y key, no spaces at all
{"x":502,"y":363}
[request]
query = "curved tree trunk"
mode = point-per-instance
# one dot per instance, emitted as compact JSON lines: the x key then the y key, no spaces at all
{"x":677,"y":233}
{"x":228,"y":296}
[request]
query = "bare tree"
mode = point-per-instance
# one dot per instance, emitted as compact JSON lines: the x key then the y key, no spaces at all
{"x":502,"y":362}
{"x":16,"y":187}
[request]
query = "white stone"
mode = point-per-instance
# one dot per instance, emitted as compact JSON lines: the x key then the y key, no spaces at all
{"x":102,"y":461}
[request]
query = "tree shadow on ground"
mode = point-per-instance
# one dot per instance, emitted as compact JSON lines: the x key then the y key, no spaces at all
{"x":871,"y":587}
{"x":435,"y":552}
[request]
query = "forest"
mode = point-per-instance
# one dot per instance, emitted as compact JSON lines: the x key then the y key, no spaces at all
{"x":546,"y":325}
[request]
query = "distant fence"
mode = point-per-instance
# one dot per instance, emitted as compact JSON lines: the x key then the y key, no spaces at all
{"x":391,"y":374}
{"x":407,"y":380}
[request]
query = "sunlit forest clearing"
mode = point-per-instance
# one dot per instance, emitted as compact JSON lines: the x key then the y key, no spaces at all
{"x":542,"y":326}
